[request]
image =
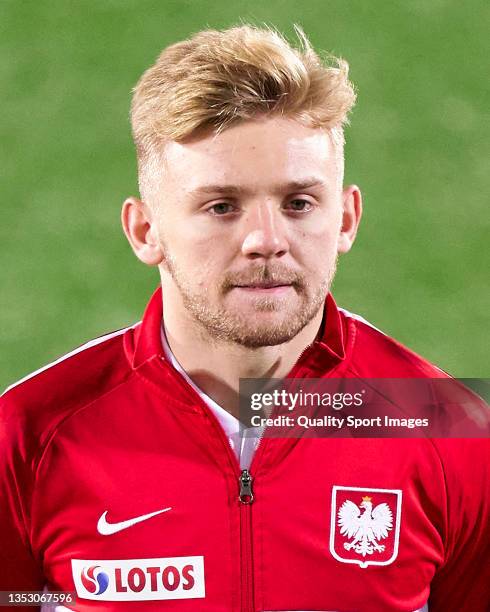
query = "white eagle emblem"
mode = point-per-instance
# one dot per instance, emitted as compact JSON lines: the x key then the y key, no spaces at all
{"x":365,"y":525}
{"x":365,"y":529}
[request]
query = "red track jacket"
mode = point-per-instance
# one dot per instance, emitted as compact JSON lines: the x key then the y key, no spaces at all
{"x":117,"y":482}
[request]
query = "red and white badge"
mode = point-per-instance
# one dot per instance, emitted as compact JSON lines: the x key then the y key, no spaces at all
{"x":365,"y":525}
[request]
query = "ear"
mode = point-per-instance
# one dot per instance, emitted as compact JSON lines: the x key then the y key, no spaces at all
{"x":351,"y":216}
{"x":141,"y":231}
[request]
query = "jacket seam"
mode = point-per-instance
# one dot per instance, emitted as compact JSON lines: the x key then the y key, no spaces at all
{"x":41,"y":454}
{"x":446,"y":508}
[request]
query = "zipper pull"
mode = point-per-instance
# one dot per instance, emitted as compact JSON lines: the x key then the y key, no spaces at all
{"x":246,"y":494}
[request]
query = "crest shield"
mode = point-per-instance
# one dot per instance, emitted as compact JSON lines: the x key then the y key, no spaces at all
{"x":365,"y":525}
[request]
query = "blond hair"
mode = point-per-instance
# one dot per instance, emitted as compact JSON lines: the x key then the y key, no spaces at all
{"x":218,"y":78}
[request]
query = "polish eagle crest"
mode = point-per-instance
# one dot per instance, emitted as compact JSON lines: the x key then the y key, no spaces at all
{"x":364,"y":525}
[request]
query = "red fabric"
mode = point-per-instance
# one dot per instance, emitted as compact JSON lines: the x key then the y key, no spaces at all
{"x":114,"y":427}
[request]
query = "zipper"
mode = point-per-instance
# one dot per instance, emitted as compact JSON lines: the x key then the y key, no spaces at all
{"x":246,"y":498}
{"x":246,"y":495}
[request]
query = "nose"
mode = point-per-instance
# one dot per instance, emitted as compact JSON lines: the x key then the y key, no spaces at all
{"x":265,"y":234}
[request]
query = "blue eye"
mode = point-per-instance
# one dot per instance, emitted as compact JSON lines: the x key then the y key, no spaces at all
{"x":222,"y":208}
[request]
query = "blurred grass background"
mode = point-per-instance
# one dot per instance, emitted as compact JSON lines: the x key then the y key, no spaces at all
{"x":418,"y":147}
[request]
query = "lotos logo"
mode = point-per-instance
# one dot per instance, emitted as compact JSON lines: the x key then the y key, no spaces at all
{"x":139,"y":579}
{"x":94,"y":580}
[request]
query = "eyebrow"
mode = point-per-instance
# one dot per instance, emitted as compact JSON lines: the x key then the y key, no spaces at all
{"x":297,"y":185}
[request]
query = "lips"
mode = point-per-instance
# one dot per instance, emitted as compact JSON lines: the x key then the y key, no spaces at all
{"x":266,"y":285}
{"x":264,"y":289}
{"x":263,"y":279}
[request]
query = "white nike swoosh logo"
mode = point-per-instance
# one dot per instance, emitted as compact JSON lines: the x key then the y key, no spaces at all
{"x":105,"y":528}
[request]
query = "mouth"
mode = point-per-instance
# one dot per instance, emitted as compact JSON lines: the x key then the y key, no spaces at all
{"x":264,"y":285}
{"x":268,"y":288}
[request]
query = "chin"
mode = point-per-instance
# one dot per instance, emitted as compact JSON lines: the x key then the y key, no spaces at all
{"x":256,"y":306}
{"x":265,"y":329}
{"x":258,"y":341}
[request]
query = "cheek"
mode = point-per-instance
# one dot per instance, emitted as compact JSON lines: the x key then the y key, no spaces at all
{"x":199,"y":263}
{"x":185,"y":245}
{"x":316,"y":248}
{"x":208,"y":254}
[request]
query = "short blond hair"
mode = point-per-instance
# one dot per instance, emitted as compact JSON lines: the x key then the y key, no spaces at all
{"x":218,"y":78}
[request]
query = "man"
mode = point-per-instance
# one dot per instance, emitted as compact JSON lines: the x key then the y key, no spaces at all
{"x":124,"y":475}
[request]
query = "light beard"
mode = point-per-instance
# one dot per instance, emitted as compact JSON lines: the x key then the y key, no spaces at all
{"x":220,"y":324}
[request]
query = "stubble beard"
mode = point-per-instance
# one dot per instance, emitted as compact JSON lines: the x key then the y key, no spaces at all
{"x":220,"y":324}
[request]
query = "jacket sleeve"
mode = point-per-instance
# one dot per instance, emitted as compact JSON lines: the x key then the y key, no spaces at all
{"x":462,"y":583}
{"x":18,"y":568}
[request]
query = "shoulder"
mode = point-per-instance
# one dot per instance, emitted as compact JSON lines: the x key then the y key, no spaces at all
{"x":466,"y":476}
{"x":465,"y":469}
{"x":32,"y":408}
{"x":373,"y":353}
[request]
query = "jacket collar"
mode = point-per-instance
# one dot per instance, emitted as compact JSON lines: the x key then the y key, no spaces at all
{"x":328,"y":350}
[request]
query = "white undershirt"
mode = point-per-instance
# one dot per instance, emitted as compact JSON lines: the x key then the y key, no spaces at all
{"x":242,"y":440}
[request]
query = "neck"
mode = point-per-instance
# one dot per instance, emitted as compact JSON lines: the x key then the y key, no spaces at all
{"x":216,"y":366}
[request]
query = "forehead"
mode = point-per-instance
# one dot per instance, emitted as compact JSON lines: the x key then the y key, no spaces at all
{"x":259,"y":152}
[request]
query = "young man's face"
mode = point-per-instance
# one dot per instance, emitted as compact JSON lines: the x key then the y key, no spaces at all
{"x":250,"y":223}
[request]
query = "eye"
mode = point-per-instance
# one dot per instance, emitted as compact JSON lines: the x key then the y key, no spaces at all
{"x":221,"y":208}
{"x":299,"y":205}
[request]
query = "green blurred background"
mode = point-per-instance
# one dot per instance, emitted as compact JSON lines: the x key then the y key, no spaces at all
{"x":418,"y":146}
